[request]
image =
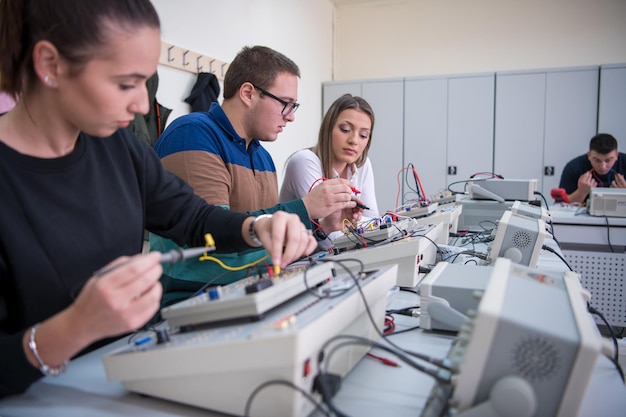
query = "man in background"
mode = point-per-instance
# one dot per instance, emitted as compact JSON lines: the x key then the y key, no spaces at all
{"x":602,"y":166}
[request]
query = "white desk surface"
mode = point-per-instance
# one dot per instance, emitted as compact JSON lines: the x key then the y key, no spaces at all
{"x":579,"y":215}
{"x":370,"y":389}
{"x":574,"y":226}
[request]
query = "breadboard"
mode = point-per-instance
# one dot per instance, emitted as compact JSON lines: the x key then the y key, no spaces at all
{"x":233,"y":301}
{"x":604,"y":276}
{"x":417,"y":210}
{"x":384,"y":232}
{"x":408,"y":253}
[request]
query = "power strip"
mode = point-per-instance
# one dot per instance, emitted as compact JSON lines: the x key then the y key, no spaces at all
{"x":248,"y":298}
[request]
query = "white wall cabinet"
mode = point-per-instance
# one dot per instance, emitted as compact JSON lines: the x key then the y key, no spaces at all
{"x":519,"y":124}
{"x":448,"y":128}
{"x":426,"y":131}
{"x":612,"y":103}
{"x":386,"y":96}
{"x":543,"y":119}
{"x":443,"y":126}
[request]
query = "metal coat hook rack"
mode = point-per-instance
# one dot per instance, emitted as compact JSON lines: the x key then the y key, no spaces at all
{"x":181,"y":58}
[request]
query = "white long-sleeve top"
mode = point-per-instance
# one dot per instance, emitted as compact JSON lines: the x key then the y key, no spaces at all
{"x":304,"y":168}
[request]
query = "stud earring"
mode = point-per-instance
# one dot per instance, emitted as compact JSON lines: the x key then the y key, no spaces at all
{"x":49,"y":82}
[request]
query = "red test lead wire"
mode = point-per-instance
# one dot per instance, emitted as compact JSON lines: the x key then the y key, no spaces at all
{"x":354,"y":189}
{"x":384,"y":361}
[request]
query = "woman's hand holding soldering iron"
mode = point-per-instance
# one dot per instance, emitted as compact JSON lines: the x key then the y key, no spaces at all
{"x":120,"y":298}
{"x":124,"y":294}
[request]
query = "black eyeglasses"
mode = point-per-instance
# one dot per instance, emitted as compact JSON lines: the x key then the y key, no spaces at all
{"x":288,"y":106}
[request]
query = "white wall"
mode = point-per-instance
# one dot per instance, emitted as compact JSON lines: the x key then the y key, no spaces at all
{"x":301,"y":29}
{"x":388,"y":38}
{"x":396,"y":38}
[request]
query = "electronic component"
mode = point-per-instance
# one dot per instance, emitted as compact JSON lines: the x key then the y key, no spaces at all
{"x":370,"y":232}
{"x":448,"y":292}
{"x":536,"y":357}
{"x":409,"y":253}
{"x":248,"y":298}
{"x":172,"y":256}
{"x":481,"y":215}
{"x":518,"y":238}
{"x":448,"y":198}
{"x":522,"y":208}
{"x":505,"y":189}
{"x":416,"y":209}
{"x":178,"y":255}
{"x":559,"y":195}
{"x":219,"y":368}
{"x":609,"y":202}
{"x":449,"y":216}
{"x":477,"y":192}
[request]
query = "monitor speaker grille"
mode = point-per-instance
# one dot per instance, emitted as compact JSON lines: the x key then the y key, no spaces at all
{"x":535,"y":358}
{"x":522,"y":239}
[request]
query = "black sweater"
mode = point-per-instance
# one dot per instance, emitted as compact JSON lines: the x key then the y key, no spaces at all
{"x":63,"y":218}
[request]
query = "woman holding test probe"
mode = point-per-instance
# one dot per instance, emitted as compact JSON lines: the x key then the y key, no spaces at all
{"x":78,"y":189}
{"x":344,"y":139}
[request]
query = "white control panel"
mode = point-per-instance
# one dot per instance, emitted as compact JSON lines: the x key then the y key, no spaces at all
{"x":219,"y":368}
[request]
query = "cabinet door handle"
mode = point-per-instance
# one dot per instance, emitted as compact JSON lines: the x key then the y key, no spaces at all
{"x":452,"y":170}
{"x":548,"y":171}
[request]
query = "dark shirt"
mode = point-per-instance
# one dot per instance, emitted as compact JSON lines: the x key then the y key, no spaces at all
{"x":579,"y":165}
{"x":63,"y":218}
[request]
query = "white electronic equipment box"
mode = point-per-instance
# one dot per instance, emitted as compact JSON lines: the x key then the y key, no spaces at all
{"x":503,"y":189}
{"x":610,"y":202}
{"x":448,"y":292}
{"x":416,"y":209}
{"x":518,"y":238}
{"x":219,"y":367}
{"x":409,"y":252}
{"x":481,"y":215}
{"x":532,"y":346}
{"x":523,"y":208}
{"x":249,"y":298}
{"x":449,"y":216}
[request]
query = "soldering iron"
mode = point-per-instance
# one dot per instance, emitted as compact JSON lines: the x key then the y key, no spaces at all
{"x":170,"y":257}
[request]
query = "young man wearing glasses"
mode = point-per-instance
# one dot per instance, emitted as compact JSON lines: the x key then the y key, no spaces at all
{"x":219,"y":152}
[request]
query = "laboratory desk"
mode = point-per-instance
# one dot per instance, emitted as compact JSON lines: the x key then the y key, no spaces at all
{"x":575,"y":229}
{"x":370,"y":389}
{"x":594,"y":247}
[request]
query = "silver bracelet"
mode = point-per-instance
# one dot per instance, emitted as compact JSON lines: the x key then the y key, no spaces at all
{"x":252,"y":232}
{"x":43,"y":368}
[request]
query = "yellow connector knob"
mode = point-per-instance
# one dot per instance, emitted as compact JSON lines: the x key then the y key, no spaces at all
{"x":208,"y":239}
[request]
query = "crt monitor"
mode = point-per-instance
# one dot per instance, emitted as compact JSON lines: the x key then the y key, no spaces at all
{"x":518,"y":238}
{"x":531,"y":346}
